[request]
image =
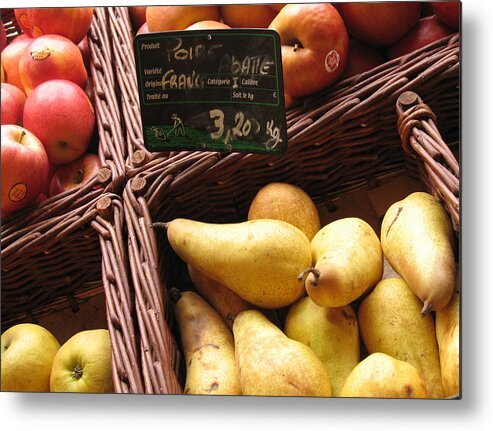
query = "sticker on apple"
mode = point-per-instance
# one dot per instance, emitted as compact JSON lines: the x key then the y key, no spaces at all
{"x":18,"y":192}
{"x":332,"y":61}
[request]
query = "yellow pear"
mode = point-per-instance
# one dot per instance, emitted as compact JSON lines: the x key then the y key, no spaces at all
{"x":390,"y":322}
{"x":287,"y":202}
{"x":417,"y":240}
{"x":447,"y":323}
{"x":208,"y":348}
{"x":28,"y":351}
{"x":332,"y":333}
{"x":382,"y":376}
{"x":271,"y":364}
{"x":348,"y":262}
{"x":258,"y":259}
{"x":226,"y":302}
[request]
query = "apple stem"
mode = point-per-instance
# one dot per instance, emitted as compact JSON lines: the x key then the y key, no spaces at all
{"x":78,"y":372}
{"x":80,"y":175}
{"x":23,"y":133}
{"x":296,"y":46}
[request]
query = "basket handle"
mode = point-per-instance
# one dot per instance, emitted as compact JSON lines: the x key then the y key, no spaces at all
{"x":422,"y":140}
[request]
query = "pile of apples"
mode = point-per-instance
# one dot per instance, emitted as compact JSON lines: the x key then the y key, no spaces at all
{"x":34,"y":361}
{"x":282,"y":306}
{"x":48,"y":119}
{"x":321,"y":43}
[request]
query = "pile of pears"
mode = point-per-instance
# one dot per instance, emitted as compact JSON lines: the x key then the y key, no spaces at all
{"x":344,"y":330}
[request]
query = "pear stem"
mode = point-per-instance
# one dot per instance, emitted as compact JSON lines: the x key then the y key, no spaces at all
{"x":160,"y":225}
{"x":174,"y":294}
{"x":426,"y":309}
{"x":314,"y":271}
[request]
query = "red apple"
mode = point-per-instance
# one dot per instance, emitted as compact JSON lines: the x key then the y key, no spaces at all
{"x":4,"y":36}
{"x":314,"y":46}
{"x":248,"y":15}
{"x":162,"y":18}
{"x":23,"y":21}
{"x":12,"y":99}
{"x":203,"y":25}
{"x":74,"y":174}
{"x":85,"y":50}
{"x":425,"y":32}
{"x":2,"y":73}
{"x":10,"y":59}
{"x":426,"y":9}
{"x":277,"y":6}
{"x":51,"y":171}
{"x":448,"y":12}
{"x":379,"y":23}
{"x":60,"y":114}
{"x":24,"y":168}
{"x":144,"y":28}
{"x":361,"y":58}
{"x":71,"y":22}
{"x":137,"y":15}
{"x":41,"y":198}
{"x":52,"y":57}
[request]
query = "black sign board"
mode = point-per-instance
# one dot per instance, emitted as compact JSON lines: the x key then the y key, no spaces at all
{"x":212,"y":90}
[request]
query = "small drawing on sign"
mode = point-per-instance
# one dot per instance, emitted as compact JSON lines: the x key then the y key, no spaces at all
{"x":178,"y":126}
{"x":159,"y":133}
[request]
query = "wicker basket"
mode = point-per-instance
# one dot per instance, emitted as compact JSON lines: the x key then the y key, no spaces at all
{"x":12,"y":29}
{"x":72,"y":245}
{"x":434,"y":160}
{"x":340,"y":140}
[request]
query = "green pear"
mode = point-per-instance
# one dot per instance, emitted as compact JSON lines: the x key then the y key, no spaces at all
{"x":348,"y":262}
{"x":258,"y":259}
{"x":382,"y":376}
{"x":332,"y":333}
{"x":447,"y":324}
{"x":390,"y":322}
{"x":271,"y":364}
{"x":208,"y":347}
{"x":417,"y":240}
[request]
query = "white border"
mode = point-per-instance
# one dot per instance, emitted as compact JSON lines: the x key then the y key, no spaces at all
{"x":474,"y":411}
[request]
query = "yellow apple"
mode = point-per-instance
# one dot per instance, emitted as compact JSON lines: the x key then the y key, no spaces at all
{"x":83,"y":364}
{"x":27,"y":356}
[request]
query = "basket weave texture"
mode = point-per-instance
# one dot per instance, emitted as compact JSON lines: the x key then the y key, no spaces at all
{"x":423,"y":144}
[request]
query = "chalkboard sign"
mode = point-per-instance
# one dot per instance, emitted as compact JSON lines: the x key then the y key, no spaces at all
{"x":212,"y":90}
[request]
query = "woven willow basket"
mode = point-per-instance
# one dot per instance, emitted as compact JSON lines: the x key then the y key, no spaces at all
{"x":340,"y":140}
{"x":71,"y":246}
